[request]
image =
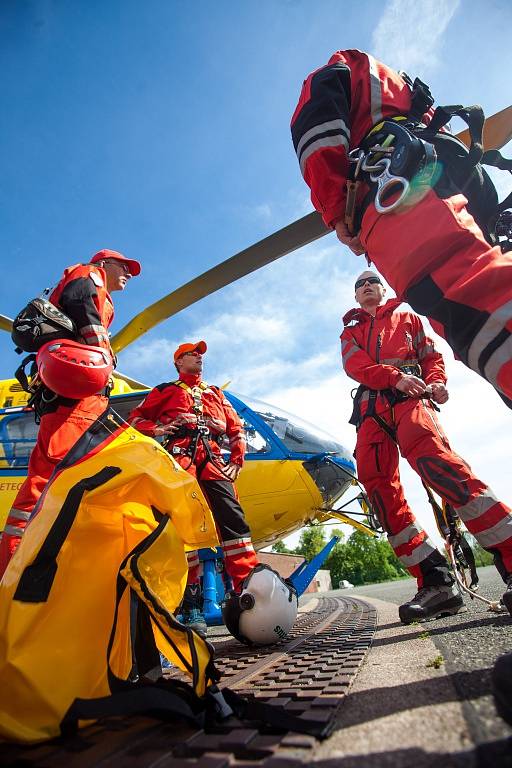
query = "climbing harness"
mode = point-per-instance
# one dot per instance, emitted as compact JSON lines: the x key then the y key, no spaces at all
{"x":503,"y":230}
{"x":392,"y":396}
{"x":401,"y":158}
{"x":200,"y":433}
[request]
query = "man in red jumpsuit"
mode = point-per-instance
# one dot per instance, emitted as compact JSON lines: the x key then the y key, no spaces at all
{"x":194,"y":418}
{"x":432,"y":252}
{"x":83,"y":294}
{"x":388,"y":353}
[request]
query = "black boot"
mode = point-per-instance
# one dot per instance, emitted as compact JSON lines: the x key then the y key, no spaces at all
{"x":430,"y":603}
{"x":502,"y":684}
{"x":507,"y":595}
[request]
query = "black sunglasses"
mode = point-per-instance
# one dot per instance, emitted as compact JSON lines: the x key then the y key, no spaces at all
{"x":120,"y":264}
{"x":371,"y":280}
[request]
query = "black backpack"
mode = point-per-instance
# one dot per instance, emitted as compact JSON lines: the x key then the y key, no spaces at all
{"x":38,"y":323}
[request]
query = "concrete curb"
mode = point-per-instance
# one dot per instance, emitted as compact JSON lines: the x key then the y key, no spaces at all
{"x":402,"y":709}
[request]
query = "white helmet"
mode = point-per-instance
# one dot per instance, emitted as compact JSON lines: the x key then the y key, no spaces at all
{"x":265,"y":609}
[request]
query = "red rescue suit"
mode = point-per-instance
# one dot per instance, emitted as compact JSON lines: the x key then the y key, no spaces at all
{"x":375,"y":351}
{"x":82,"y":295}
{"x":162,"y":406}
{"x":432,"y":253}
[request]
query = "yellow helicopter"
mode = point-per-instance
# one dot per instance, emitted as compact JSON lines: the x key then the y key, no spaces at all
{"x":294,"y":473}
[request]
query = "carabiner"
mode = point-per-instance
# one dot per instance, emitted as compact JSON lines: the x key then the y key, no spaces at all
{"x":357,"y":156}
{"x":387,"y":184}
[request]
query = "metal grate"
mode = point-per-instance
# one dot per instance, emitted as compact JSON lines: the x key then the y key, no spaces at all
{"x":308,"y":674}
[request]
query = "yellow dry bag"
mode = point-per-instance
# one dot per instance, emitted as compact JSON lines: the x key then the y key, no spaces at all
{"x":87,"y":601}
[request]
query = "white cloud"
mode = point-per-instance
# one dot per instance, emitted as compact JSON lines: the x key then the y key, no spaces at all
{"x":409,"y":34}
{"x":261,"y":213}
{"x":148,"y":361}
{"x":261,"y":330}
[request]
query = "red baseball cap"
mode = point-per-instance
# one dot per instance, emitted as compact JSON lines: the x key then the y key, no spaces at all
{"x":199,"y":346}
{"x":105,"y":254}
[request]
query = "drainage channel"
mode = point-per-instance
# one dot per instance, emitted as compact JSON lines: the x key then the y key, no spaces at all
{"x":308,"y":674}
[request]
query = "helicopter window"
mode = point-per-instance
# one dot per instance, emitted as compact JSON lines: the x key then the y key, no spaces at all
{"x":297,"y":435}
{"x":255,"y":442}
{"x":18,"y":434}
{"x":18,"y":437}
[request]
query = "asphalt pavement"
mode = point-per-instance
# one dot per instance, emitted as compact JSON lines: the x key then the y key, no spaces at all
{"x":423,"y":696}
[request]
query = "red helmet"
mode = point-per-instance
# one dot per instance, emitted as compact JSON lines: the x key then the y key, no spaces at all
{"x":74,"y":370}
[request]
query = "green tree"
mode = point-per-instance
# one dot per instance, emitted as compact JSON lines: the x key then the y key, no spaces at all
{"x":311,"y":541}
{"x":363,"y":560}
{"x":482,"y":557}
{"x":339,"y":533}
{"x":280,"y":547}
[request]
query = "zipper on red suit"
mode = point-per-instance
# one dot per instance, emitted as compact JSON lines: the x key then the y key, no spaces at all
{"x":370,"y":335}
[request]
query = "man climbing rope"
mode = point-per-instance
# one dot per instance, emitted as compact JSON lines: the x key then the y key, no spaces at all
{"x":400,"y":373}
{"x":194,"y":417}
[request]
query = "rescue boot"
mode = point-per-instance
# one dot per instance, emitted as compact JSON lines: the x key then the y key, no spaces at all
{"x":507,"y":595}
{"x":191,"y":613}
{"x":502,"y":686}
{"x":194,"y":619}
{"x":431,"y":603}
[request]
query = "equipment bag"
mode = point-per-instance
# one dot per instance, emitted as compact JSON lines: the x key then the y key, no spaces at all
{"x":459,"y":168}
{"x":88,"y":599}
{"x":89,"y":596}
{"x":462,"y":167}
{"x":38,"y":323}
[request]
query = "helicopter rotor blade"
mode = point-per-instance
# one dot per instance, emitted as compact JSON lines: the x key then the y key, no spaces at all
{"x":497,"y":130}
{"x":5,"y":323}
{"x":291,"y":237}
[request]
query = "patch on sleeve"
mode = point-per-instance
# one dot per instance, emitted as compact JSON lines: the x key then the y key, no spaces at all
{"x":96,"y":278}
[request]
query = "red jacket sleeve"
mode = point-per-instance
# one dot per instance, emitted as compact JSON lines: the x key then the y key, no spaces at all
{"x":360,"y":366}
{"x":321,"y":136}
{"x":431,"y":361}
{"x":145,"y":416}
{"x":234,"y":431}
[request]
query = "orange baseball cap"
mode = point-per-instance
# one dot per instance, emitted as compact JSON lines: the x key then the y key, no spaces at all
{"x":105,"y":254}
{"x":199,"y":346}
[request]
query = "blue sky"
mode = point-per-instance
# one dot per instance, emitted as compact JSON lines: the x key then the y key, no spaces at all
{"x":161,"y":129}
